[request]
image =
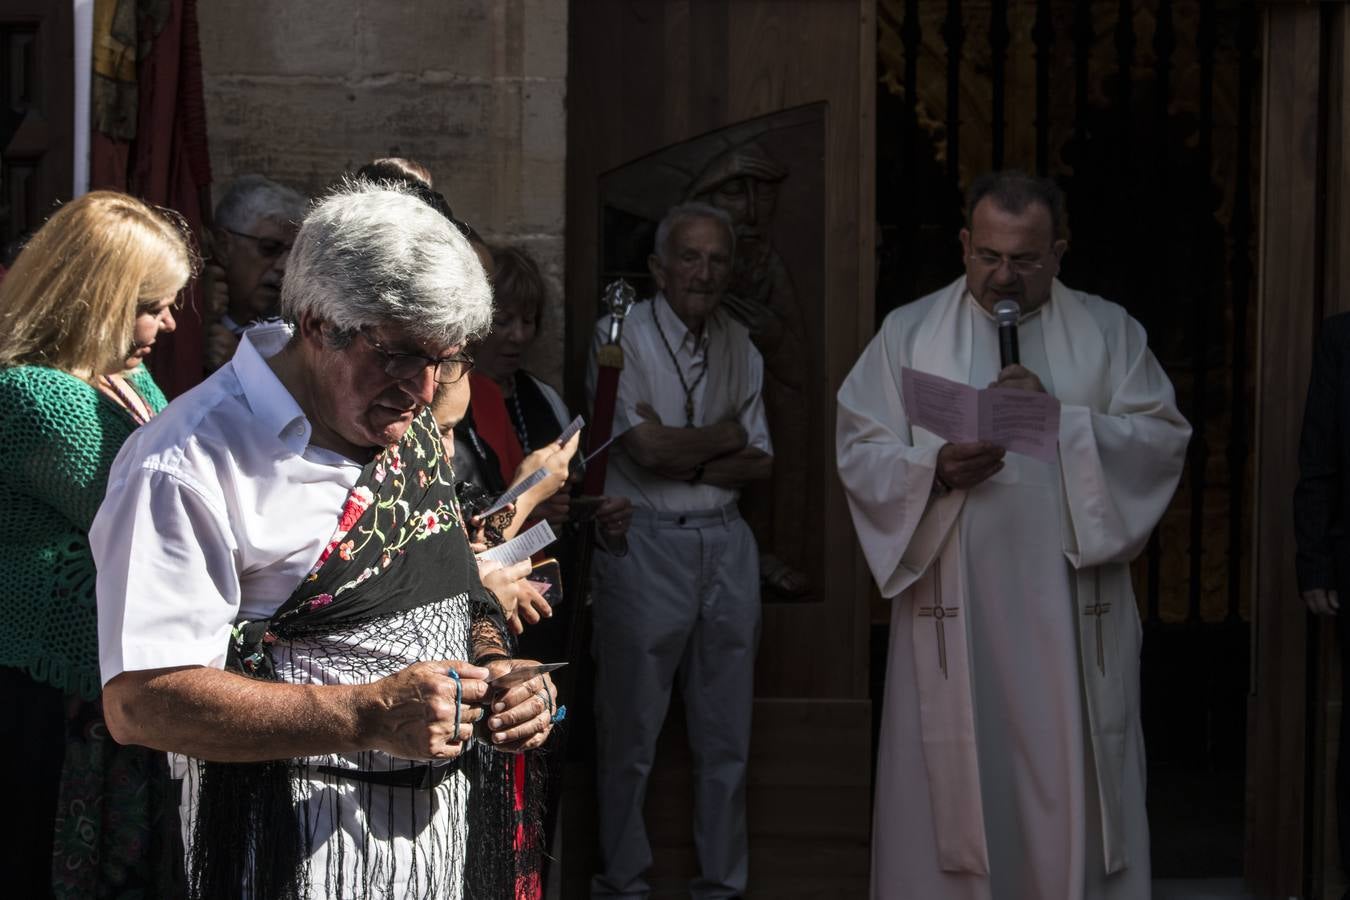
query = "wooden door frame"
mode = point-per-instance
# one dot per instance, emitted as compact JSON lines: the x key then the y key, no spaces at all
{"x":685,"y":68}
{"x":705,"y":98}
{"x":49,"y":137}
{"x":1325,"y":876}
{"x":1304,"y":273}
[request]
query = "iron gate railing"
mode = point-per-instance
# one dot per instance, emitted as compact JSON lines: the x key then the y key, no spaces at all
{"x":1145,"y":112}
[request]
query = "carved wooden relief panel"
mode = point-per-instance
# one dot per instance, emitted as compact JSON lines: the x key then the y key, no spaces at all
{"x":768,"y":175}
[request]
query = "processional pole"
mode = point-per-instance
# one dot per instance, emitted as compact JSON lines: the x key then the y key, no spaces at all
{"x":618,"y":297}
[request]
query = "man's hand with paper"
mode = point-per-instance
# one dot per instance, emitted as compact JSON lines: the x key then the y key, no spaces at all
{"x":1014,"y":413}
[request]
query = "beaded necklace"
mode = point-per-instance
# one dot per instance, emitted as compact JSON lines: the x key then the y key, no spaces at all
{"x":679,"y":373}
{"x":518,"y":420}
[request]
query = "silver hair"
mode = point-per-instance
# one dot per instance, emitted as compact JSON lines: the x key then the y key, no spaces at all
{"x":253,"y":197}
{"x":371,"y":254}
{"x":678,"y":215}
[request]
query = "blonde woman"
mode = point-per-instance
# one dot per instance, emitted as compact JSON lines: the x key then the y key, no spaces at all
{"x":79,"y":312}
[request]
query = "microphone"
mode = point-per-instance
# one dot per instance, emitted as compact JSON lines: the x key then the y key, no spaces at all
{"x":1007,"y":312}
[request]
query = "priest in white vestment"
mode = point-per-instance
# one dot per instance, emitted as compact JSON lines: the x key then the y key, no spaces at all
{"x":1011,"y":762}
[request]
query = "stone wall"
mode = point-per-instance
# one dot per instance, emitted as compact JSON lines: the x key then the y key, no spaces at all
{"x":473,"y":89}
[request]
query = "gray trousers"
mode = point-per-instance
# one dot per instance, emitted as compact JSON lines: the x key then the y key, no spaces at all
{"x":684,"y":601}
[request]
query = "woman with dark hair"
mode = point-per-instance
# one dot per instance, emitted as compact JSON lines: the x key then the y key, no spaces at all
{"x":512,"y":413}
{"x":521,"y":603}
{"x":395,"y":168}
{"x":79,"y":313}
{"x":511,"y":426}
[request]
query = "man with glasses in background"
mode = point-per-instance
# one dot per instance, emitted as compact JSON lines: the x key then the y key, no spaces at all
{"x":683,"y":605}
{"x":1011,"y":761}
{"x":254,"y":226}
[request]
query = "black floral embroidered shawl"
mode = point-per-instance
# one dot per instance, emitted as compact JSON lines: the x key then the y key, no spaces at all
{"x":399,"y":548}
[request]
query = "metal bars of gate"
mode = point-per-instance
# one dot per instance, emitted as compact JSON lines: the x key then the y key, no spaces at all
{"x":1201,"y":324}
{"x":954,"y":35}
{"x":1240,"y":273}
{"x":1207,"y":307}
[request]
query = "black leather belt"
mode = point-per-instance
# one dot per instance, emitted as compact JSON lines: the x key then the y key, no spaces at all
{"x":421,"y":776}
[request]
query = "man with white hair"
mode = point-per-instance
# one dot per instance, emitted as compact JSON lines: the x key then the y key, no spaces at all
{"x":254,"y":227}
{"x":685,"y":600}
{"x":285,"y":590}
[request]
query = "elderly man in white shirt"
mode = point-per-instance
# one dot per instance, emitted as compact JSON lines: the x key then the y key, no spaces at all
{"x":285,"y":588}
{"x":685,"y":600}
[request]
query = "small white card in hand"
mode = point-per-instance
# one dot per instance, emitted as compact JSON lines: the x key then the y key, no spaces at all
{"x":512,"y":495}
{"x":570,"y":430}
{"x":522,"y":546}
{"x":1021,"y":421}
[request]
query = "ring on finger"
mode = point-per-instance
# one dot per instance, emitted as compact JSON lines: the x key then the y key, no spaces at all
{"x":458,"y":705}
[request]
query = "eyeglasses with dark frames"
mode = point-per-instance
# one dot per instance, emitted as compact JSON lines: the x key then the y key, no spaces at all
{"x":271,"y":248}
{"x":405,"y":366}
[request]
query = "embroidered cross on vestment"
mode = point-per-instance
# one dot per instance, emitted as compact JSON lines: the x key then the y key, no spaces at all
{"x":938,"y":615}
{"x":1098,"y":610}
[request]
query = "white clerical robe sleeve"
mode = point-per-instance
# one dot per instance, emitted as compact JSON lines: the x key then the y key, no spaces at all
{"x":1120,"y":467}
{"x":888,"y":475}
{"x":168,"y":591}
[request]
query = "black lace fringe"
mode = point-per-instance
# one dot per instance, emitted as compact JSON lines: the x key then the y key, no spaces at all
{"x":246,"y":840}
{"x":252,"y":804}
{"x":506,"y":845}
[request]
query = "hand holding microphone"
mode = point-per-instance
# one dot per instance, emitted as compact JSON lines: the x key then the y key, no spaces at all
{"x":1007,"y":311}
{"x":1012,"y":374}
{"x":963,"y":466}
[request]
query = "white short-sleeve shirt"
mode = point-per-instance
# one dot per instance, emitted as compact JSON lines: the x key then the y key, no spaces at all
{"x":215,"y":511}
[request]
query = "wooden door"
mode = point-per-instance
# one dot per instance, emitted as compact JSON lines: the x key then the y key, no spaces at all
{"x":676,"y":99}
{"x":37,"y":97}
{"x":1296,"y":704}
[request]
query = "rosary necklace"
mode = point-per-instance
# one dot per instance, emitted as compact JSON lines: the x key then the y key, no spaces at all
{"x":679,"y":373}
{"x":522,"y":430}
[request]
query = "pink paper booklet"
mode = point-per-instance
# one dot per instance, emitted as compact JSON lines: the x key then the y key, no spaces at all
{"x":1021,"y":421}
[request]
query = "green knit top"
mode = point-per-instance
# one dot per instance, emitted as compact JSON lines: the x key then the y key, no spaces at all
{"x":58,"y":439}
